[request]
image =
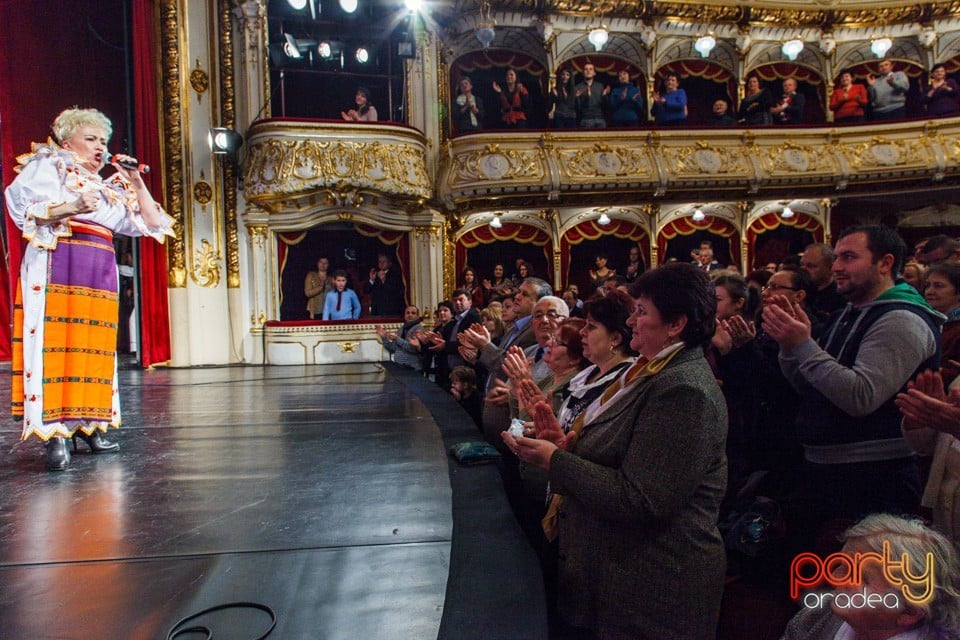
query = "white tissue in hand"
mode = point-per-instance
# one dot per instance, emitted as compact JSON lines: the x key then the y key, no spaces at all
{"x":516,"y":428}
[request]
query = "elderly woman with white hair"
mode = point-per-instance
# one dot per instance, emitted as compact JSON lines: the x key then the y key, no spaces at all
{"x":888,"y":600}
{"x":66,"y":311}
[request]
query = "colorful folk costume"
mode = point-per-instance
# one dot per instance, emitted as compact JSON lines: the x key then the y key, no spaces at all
{"x":66,"y":309}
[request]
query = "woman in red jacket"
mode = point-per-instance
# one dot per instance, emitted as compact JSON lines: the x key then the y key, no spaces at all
{"x":848,"y":100}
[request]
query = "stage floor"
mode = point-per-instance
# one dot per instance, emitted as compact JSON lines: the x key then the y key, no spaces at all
{"x":323,"y":492}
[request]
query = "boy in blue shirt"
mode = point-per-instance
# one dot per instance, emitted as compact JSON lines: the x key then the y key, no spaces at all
{"x":341,"y":303}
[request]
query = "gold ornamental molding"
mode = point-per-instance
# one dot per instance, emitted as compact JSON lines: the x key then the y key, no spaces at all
{"x":206,"y":265}
{"x":173,"y":138}
{"x":228,"y":119}
{"x":795,"y":13}
{"x":576,"y":169}
{"x":295,"y":161}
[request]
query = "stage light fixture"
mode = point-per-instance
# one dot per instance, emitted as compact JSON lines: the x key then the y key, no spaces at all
{"x":349,"y":6}
{"x":297,"y":5}
{"x":363,"y":56}
{"x":325,"y":50}
{"x":224,"y":141}
{"x":413,"y":6}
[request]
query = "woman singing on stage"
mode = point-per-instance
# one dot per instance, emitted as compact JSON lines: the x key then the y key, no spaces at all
{"x":66,"y":312}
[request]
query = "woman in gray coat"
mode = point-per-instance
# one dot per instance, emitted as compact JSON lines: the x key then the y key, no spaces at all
{"x":642,"y":479}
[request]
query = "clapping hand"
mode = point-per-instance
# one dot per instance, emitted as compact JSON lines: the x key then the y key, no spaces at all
{"x":926,"y":404}
{"x":516,"y":366}
{"x":467,"y":353}
{"x":741,"y":331}
{"x":786,"y":322}
{"x":529,"y":395}
{"x":476,"y":335}
{"x":499,"y":394}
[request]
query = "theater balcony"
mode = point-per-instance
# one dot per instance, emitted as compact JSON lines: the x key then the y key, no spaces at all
{"x":485,"y":171}
{"x":304,"y":177}
{"x":299,"y":171}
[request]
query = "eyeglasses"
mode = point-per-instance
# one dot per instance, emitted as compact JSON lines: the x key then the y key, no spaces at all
{"x":778,"y":287}
{"x":552,"y":315}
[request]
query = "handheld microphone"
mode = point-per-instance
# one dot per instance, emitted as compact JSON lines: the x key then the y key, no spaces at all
{"x":127,"y":164}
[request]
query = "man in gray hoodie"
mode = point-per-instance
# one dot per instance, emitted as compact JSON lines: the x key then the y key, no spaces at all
{"x":857,"y":461}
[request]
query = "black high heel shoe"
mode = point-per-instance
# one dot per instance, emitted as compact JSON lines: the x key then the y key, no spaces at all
{"x":58,"y":455}
{"x":96,"y":442}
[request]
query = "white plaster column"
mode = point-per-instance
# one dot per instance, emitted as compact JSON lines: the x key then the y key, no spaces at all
{"x":199,"y":309}
{"x":426,"y":263}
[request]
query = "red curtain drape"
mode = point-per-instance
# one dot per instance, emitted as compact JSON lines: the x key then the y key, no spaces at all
{"x":591,"y":230}
{"x":816,"y":96}
{"x":398,"y":239}
{"x":705,"y":69}
{"x":773,"y":220}
{"x":517,"y":232}
{"x":689,"y":226}
{"x":36,"y":83}
{"x":154,"y":303}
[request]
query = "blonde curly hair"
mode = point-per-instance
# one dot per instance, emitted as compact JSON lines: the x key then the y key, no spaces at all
{"x":66,"y":125}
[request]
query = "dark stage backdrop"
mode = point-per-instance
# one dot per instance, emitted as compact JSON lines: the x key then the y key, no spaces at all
{"x":55,"y":55}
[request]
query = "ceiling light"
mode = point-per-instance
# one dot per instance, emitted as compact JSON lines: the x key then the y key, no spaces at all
{"x":880,"y":46}
{"x":348,"y":5}
{"x":699,"y":215}
{"x":485,"y":24}
{"x":792,"y":48}
{"x":362,"y":55}
{"x":599,"y":37}
{"x":705,"y":44}
{"x":495,"y":223}
{"x":787,"y":213}
{"x":604,"y":219}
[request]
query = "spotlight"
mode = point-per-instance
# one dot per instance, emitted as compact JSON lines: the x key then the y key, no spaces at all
{"x":290,"y":47}
{"x":224,"y":141}
{"x":297,"y":5}
{"x":604,"y":219}
{"x":348,"y":6}
{"x":325,"y":50}
{"x":413,"y":6}
{"x":295,"y":48}
{"x":699,"y":215}
{"x":362,"y":55}
{"x":495,"y":223}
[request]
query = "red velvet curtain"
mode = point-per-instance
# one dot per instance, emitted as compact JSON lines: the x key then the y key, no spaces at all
{"x":771,"y":221}
{"x":154,"y":307}
{"x":36,"y":83}
{"x":809,"y":83}
{"x":591,"y":230}
{"x":515,"y":231}
{"x":689,"y":226}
